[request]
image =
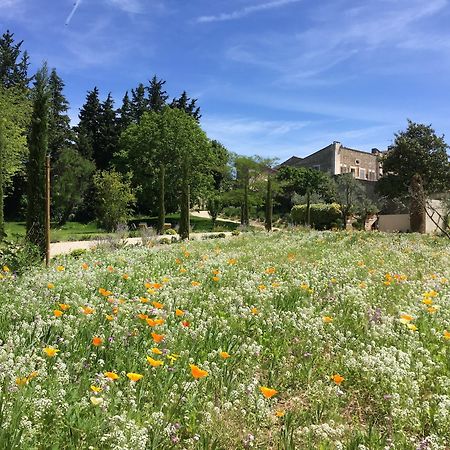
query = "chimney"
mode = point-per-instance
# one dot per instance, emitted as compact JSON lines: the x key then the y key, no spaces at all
{"x":375,"y":151}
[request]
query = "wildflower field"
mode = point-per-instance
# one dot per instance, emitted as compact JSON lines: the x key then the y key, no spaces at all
{"x":282,"y":341}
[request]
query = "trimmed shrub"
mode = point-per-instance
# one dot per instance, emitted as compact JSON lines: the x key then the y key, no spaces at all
{"x":323,"y":216}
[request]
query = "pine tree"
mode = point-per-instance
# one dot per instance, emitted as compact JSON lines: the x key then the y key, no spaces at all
{"x":187,"y":105}
{"x":139,"y":103}
{"x":13,"y":63}
{"x":108,"y":134}
{"x":89,"y":125}
{"x":59,"y":131}
{"x":38,"y":145}
{"x":125,"y":113}
{"x":157,"y":97}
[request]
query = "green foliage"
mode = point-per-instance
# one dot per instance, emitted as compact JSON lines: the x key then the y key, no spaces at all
{"x":269,"y":205}
{"x":187,"y":105}
{"x":38,"y":145}
{"x":72,"y":175}
{"x":19,"y":255}
{"x":114,"y":199}
{"x":161,"y":199}
{"x":416,"y":151}
{"x":214,"y":206}
{"x":323,"y":216}
{"x":13,"y":63}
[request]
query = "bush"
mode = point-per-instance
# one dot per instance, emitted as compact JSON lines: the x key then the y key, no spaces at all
{"x":170,"y":231}
{"x":19,"y":256}
{"x":235,"y":233}
{"x":114,"y":199}
{"x":323,"y":216}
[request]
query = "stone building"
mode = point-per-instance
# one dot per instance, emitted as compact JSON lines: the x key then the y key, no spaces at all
{"x":336,"y":159}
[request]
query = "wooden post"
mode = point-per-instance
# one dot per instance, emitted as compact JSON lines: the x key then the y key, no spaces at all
{"x":47,"y":210}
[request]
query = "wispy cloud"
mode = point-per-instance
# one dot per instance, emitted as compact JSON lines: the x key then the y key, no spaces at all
{"x":246,"y":11}
{"x":12,"y":9}
{"x":131,"y":6}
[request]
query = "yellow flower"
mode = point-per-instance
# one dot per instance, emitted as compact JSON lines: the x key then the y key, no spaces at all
{"x":6,"y":269}
{"x":362,"y":285}
{"x":50,"y":285}
{"x":412,"y":327}
{"x":156,"y":351}
{"x":197,"y":372}
{"x":216,"y":279}
{"x":432,"y":309}
{"x":427,"y":301}
{"x":96,"y":401}
{"x":21,"y":381}
{"x":304,"y":286}
{"x":111,"y":375}
{"x":60,"y":268}
{"x":109,"y":317}
{"x":172,"y":357}
{"x":268,"y":392}
{"x":275,"y":285}
{"x":125,"y":276}
{"x":270,"y":270}
{"x":57,"y":313}
{"x":183,"y":270}
{"x":96,"y":389}
{"x":134,"y":376}
{"x":195,"y":283}
{"x":261,"y":287}
{"x":50,"y":351}
{"x":84,"y":266}
{"x":446,"y":334}
{"x":64,"y":306}
{"x":224,"y":355}
{"x":254,"y":311}
{"x":165,"y":280}
{"x":338,"y":379}
{"x":232,"y":261}
{"x":327,"y":319}
{"x":279,"y":413}
{"x":406,"y":318}
{"x":154,"y":362}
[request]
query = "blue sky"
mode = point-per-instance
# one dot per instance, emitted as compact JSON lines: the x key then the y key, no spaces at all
{"x":273,"y":77}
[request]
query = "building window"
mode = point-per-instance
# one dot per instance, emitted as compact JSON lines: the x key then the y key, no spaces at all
{"x":316,"y":166}
{"x":357,"y":162}
{"x":343,"y":168}
{"x":362,"y":173}
{"x":353,"y":171}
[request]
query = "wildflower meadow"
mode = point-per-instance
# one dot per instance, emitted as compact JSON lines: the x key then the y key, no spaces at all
{"x":288,"y":340}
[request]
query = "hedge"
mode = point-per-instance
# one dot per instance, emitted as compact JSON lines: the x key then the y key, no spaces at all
{"x":323,"y":216}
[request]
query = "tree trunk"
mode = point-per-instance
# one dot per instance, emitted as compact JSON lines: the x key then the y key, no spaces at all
{"x":417,"y":213}
{"x":184,"y":210}
{"x":245,"y":212}
{"x":161,"y":200}
{"x":269,"y":205}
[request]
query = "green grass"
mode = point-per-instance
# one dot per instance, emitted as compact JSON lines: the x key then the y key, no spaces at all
{"x":76,"y":231}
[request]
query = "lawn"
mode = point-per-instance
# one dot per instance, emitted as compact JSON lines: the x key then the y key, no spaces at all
{"x":316,"y":340}
{"x":75,"y":231}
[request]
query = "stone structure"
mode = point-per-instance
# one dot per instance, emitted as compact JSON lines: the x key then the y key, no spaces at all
{"x":336,"y":159}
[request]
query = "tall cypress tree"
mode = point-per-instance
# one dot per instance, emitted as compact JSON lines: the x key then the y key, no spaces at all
{"x":59,"y":131}
{"x":108,"y":134}
{"x":269,"y":204}
{"x":125,"y":113}
{"x":89,"y":125}
{"x":2,"y":155}
{"x":38,"y":145}
{"x":157,"y":96}
{"x":139,"y":103}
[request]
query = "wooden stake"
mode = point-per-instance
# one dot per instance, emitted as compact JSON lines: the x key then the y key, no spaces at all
{"x":47,"y":210}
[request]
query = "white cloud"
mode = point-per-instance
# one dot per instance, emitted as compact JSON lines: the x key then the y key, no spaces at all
{"x":131,"y":6}
{"x":246,"y":11}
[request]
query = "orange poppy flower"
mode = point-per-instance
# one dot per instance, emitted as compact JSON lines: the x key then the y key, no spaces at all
{"x":157,"y":337}
{"x":338,"y":379}
{"x":142,"y":316}
{"x":134,"y":376}
{"x":446,"y":334}
{"x":84,"y":266}
{"x":327,"y":319}
{"x":97,"y":341}
{"x":87,"y":310}
{"x":268,"y":392}
{"x":63,"y":306}
{"x":158,"y":305}
{"x":232,"y":261}
{"x":216,"y":279}
{"x":197,"y":372}
{"x":185,"y":323}
{"x":179,"y":313}
{"x":195,"y":283}
{"x":224,"y":355}
{"x":156,"y":351}
{"x":154,"y":362}
{"x":270,"y":270}
{"x":57,"y":313}
{"x":111,"y":375}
